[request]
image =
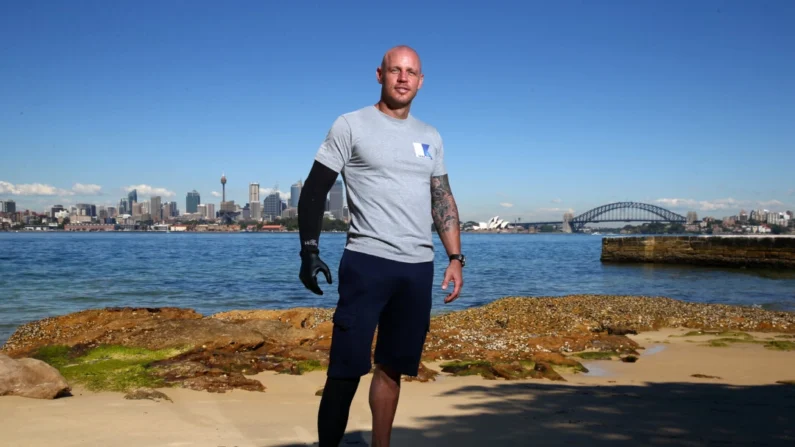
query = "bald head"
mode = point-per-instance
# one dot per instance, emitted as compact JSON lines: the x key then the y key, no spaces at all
{"x":399,"y":52}
{"x":400,"y":76}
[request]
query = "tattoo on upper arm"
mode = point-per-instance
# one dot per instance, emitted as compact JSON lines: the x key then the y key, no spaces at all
{"x":443,"y":206}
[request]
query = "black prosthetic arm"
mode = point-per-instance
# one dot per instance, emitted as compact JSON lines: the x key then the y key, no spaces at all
{"x":311,"y":206}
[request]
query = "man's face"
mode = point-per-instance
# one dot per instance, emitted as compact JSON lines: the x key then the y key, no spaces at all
{"x":400,"y":77}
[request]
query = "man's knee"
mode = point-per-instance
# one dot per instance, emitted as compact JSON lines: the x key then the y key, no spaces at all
{"x":388,"y":371}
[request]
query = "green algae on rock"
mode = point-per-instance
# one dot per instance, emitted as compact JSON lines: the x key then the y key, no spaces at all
{"x":304,"y":366}
{"x":107,"y":367}
{"x":514,"y":370}
{"x":596,"y":355}
{"x":716,"y":334}
{"x":221,"y":349}
{"x":778,"y":345}
{"x":487,"y":370}
{"x":469,"y":368}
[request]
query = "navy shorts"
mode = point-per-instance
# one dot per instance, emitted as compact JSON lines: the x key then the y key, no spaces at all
{"x":378,"y":292}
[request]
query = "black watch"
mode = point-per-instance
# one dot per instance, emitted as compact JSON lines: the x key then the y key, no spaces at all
{"x":460,"y":258}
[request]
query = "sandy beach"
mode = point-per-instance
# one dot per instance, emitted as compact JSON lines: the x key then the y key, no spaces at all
{"x":654,"y":401}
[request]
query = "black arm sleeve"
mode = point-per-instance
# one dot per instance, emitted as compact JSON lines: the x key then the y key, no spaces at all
{"x":312,"y":205}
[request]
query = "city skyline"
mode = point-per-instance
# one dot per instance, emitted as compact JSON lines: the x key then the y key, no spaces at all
{"x":716,"y":209}
{"x":42,"y":197}
{"x":559,"y":109}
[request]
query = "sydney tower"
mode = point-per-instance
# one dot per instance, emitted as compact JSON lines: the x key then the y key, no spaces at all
{"x":223,"y":188}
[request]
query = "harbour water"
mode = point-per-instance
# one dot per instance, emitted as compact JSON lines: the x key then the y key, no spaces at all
{"x":48,"y":274}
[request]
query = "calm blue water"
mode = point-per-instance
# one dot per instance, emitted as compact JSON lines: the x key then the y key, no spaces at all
{"x":50,"y":274}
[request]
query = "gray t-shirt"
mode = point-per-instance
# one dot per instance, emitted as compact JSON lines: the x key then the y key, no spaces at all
{"x":386,"y":164}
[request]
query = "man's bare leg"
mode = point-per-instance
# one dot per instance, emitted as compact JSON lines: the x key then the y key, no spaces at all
{"x":384,"y":394}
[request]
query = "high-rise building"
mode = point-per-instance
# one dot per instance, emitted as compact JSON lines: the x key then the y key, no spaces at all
{"x":86,"y":209}
{"x":210,"y":211}
{"x":255,"y":209}
{"x":8,"y":206}
{"x":192,"y":200}
{"x":124,"y":206}
{"x":335,"y":200}
{"x":201,"y":210}
{"x":170,"y":210}
{"x":253,"y":192}
{"x":254,"y":205}
{"x":132,"y":197}
{"x":692,"y":216}
{"x":229,"y":207}
{"x":295,"y":194}
{"x":155,"y":208}
{"x":272,"y":206}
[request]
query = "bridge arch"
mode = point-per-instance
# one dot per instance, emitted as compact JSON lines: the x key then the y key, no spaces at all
{"x":626,"y":212}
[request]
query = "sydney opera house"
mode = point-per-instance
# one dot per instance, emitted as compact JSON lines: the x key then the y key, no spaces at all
{"x":495,"y":223}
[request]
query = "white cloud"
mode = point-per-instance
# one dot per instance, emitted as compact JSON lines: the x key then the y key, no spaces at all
{"x":146,"y":190}
{"x":677,"y":203}
{"x":555,"y":201}
{"x":87,"y":190}
{"x":555,"y":210}
{"x":506,"y":204}
{"x":215,"y":194}
{"x":32,"y":189}
{"x":703,"y":205}
{"x":771,"y":203}
{"x":265,"y":192}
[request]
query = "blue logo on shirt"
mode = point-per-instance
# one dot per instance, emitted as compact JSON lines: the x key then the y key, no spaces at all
{"x":422,"y":150}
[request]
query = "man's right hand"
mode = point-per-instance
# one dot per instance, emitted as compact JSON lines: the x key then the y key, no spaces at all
{"x":311,"y":265}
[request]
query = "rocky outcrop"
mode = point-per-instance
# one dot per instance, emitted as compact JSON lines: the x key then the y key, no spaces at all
{"x":151,"y":329}
{"x":30,"y":378}
{"x":511,"y":337}
{"x":94,"y":325}
{"x":214,"y":354}
{"x":731,"y":251}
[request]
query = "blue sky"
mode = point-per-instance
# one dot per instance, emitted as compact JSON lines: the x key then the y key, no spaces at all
{"x":543,"y":107}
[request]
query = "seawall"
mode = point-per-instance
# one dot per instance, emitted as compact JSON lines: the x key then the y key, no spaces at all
{"x":729,"y":251}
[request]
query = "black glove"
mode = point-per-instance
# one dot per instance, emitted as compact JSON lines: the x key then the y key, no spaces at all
{"x":311,"y":264}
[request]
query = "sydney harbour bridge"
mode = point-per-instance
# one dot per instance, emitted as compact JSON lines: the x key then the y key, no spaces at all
{"x":612,"y":212}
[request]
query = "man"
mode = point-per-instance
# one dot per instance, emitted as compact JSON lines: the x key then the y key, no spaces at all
{"x":397,"y":188}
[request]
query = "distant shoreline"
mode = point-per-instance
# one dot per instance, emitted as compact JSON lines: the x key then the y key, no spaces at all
{"x":271,"y":232}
